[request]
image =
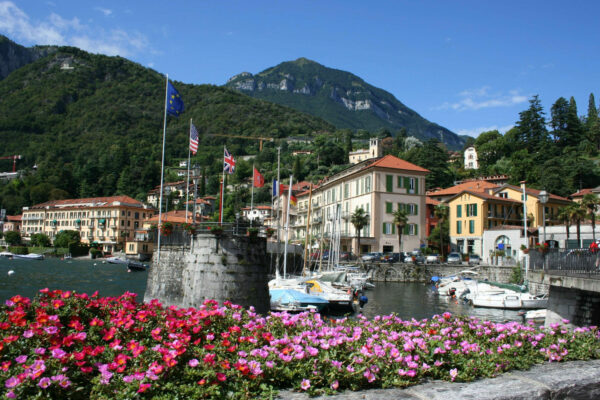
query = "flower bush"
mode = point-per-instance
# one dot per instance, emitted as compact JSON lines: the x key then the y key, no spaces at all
{"x":69,"y":345}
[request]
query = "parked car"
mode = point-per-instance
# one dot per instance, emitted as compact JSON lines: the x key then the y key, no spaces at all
{"x":405,"y":257}
{"x":474,"y":259}
{"x":454,"y":258}
{"x":432,"y":259}
{"x":371,"y":257}
{"x":347,"y":256}
{"x":390,"y":257}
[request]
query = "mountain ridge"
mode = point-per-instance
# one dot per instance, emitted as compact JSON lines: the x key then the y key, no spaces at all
{"x":339,"y":97}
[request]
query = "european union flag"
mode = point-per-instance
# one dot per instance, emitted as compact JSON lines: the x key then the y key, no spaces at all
{"x":174,"y":102}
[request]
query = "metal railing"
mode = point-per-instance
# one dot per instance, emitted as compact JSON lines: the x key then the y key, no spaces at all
{"x":570,"y":262}
{"x":181,"y":237}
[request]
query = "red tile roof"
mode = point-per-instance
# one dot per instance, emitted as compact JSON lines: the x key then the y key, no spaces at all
{"x":488,"y":196}
{"x":95,"y":200}
{"x":582,"y":192}
{"x":172,"y":216}
{"x":430,"y":201}
{"x":391,"y":161}
{"x":536,"y":192}
{"x":474,"y":186}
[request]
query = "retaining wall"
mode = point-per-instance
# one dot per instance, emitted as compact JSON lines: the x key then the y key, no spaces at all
{"x":423,"y":272}
{"x":222,"y":268}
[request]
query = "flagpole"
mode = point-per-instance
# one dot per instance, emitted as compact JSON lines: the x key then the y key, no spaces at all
{"x":162,"y":168}
{"x":187,"y":186}
{"x":222,"y":189}
{"x":278,"y":206}
{"x":287,"y":227}
{"x":252,"y":191}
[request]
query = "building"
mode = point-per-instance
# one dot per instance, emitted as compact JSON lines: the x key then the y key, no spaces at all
{"x":259,"y":212}
{"x":108,"y":221}
{"x":471,"y":213}
{"x":379,"y":186}
{"x":11,"y":223}
{"x":375,"y":150}
{"x":153,"y":197}
{"x":431,"y":220}
{"x":578,"y":196}
{"x":471,"y":158}
{"x":443,"y":195}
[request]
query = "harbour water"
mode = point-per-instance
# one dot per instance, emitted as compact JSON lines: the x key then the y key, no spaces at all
{"x":407,"y":300}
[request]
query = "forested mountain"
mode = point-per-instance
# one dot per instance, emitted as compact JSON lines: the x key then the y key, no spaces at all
{"x":14,"y":56}
{"x":343,"y":99}
{"x":93,"y":125}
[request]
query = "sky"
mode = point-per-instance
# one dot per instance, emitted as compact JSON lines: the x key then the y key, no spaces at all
{"x":470,"y":66}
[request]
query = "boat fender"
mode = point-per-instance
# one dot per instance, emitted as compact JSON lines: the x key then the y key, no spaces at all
{"x":362,"y":300}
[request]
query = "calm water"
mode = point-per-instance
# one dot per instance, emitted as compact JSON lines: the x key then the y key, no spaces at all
{"x":408,"y":300}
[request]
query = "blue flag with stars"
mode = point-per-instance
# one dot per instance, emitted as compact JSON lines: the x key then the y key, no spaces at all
{"x":174,"y":102}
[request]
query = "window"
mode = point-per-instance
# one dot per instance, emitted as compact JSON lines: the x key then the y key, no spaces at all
{"x":389,"y":228}
{"x":137,"y":215}
{"x":471,"y":226}
{"x":389,"y":183}
{"x":412,"y":209}
{"x":411,"y":185}
{"x":399,"y":182}
{"x":368,"y":184}
{"x":459,"y":211}
{"x":458,"y":227}
{"x":346,"y":190}
{"x":471,"y":210}
{"x":388,"y":207}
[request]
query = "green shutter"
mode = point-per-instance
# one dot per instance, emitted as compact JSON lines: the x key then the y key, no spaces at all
{"x":405,"y":232}
{"x":406,"y":183}
{"x":416,"y":209}
{"x":389,"y":183}
{"x":475,"y":209}
{"x":416,"y":185}
{"x":416,"y":229}
{"x":458,"y":227}
{"x":400,"y":206}
{"x":393,"y":229}
{"x":399,"y":182}
{"x":459,"y":211}
{"x":389,"y":207}
{"x":471,"y":226}
{"x":383,"y":229}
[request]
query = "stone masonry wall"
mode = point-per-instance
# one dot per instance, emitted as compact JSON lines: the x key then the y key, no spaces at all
{"x":225,"y":268}
{"x":580,"y":307}
{"x":424,"y":272}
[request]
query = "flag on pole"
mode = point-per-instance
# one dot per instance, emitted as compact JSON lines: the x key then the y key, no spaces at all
{"x":174,"y":102}
{"x":259,"y":180}
{"x":228,"y":162}
{"x":293,"y":200}
{"x":278,"y":189}
{"x":193,"y":139}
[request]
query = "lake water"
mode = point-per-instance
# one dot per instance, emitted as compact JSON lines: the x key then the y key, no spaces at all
{"x":408,"y":300}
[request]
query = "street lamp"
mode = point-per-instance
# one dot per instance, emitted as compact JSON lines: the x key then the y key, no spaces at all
{"x":237,"y":223}
{"x":543,"y":196}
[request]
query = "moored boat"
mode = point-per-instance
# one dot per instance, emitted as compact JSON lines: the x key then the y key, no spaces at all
{"x":31,"y":256}
{"x":509,"y":300}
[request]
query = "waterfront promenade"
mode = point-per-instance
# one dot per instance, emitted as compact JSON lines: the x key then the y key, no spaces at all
{"x":575,"y":380}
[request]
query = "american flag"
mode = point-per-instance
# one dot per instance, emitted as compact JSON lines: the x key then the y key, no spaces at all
{"x":193,"y":139}
{"x":228,"y":162}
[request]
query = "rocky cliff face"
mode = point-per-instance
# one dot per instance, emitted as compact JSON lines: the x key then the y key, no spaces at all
{"x":14,"y":56}
{"x":339,"y":97}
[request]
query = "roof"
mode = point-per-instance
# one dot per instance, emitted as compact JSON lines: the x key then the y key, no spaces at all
{"x":391,"y":161}
{"x":433,"y":202}
{"x":487,"y":196}
{"x":14,"y":218}
{"x":90,"y":202}
{"x":177,"y":216}
{"x":583,"y":192}
{"x":534,"y":192}
{"x":473,"y":186}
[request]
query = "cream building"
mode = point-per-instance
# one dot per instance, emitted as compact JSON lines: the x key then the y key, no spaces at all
{"x":109,"y":221}
{"x":379,"y":186}
{"x":471,"y":161}
{"x":374,"y":151}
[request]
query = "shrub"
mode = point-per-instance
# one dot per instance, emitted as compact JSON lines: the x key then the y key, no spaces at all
{"x":95,"y":253}
{"x":18,"y":249}
{"x":12,"y":238}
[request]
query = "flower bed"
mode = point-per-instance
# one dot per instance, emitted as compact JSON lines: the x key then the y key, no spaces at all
{"x":68,"y":345}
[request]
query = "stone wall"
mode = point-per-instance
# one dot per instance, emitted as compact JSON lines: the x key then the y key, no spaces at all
{"x":580,"y":307}
{"x":423,"y":272}
{"x":227,"y":268}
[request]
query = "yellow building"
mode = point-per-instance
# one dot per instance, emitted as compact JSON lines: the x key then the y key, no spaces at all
{"x":473,"y":212}
{"x":108,"y":221}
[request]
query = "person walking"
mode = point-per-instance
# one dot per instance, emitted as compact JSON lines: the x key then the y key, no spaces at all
{"x":594,"y":251}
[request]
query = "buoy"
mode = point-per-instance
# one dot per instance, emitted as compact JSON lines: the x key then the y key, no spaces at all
{"x":11,"y":272}
{"x":95,"y":264}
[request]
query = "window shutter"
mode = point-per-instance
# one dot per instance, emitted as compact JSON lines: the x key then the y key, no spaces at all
{"x":458,"y":227}
{"x":399,"y":182}
{"x":389,"y":183}
{"x":406,"y":182}
{"x":406,"y":229}
{"x":416,"y":185}
{"x":475,"y":209}
{"x":416,"y":229}
{"x":393,"y":229}
{"x":416,"y":209}
{"x":383,"y":229}
{"x":459,"y":211}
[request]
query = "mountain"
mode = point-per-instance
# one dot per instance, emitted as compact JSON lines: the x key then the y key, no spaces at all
{"x":13,"y":56}
{"x":339,"y":97}
{"x":93,"y":124}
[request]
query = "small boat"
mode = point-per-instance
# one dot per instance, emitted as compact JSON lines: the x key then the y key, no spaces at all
{"x":31,"y":256}
{"x":6,"y":254}
{"x":538,"y":316}
{"x":136,"y":266}
{"x":117,"y":260}
{"x":509,"y":300}
{"x":292,"y":300}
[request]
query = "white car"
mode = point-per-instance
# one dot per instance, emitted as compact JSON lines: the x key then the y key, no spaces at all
{"x":432,"y":259}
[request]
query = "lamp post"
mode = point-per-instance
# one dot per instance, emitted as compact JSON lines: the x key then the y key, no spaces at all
{"x":237,"y":223}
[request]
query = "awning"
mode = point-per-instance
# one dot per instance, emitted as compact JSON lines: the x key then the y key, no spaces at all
{"x":77,"y":221}
{"x":102,"y":221}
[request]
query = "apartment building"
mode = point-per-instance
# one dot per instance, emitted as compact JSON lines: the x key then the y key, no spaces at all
{"x":379,"y":186}
{"x":108,"y":221}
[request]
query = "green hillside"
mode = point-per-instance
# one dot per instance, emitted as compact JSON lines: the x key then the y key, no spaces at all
{"x":341,"y":98}
{"x":96,"y":129}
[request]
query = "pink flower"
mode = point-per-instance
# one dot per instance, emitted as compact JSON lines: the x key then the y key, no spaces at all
{"x":28,"y":333}
{"x":11,"y":382}
{"x":58,"y":353}
{"x":335,"y":385}
{"x":453,"y":374}
{"x":305,"y":384}
{"x":193,"y":362}
{"x":221,"y":377}
{"x":40,"y":351}
{"x":21,"y":359}
{"x":44,"y":382}
{"x":11,"y":395}
{"x":143,"y":387}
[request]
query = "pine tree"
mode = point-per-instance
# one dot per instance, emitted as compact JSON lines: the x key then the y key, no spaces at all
{"x":574,"y":127}
{"x":592,"y":115}
{"x":533,"y":134}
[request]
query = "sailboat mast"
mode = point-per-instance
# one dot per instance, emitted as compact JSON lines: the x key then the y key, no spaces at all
{"x":306,"y":251}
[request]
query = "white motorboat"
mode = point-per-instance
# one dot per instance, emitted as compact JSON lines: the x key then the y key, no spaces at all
{"x":339,"y":300}
{"x":510,"y":300}
{"x":117,"y":260}
{"x":6,"y":254}
{"x":31,"y":256}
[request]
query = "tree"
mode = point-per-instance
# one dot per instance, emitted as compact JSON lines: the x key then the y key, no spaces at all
{"x":40,"y":240}
{"x":577,"y":212}
{"x":434,"y":157}
{"x":12,"y":238}
{"x":564,"y":215}
{"x":590,"y":201}
{"x":400,"y":220}
{"x":63,"y":238}
{"x":532,"y":132}
{"x":559,"y":121}
{"x":359,"y":219}
{"x":441,"y":212}
{"x":592,"y":115}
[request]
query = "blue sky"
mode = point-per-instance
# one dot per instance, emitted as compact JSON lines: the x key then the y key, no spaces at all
{"x":467,"y":65}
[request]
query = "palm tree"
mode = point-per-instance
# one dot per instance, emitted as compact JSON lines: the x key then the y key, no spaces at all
{"x":359,"y":219}
{"x":577,"y":212}
{"x":591,"y":202}
{"x":441,"y":212}
{"x":400,"y":220}
{"x":565,"y":217}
